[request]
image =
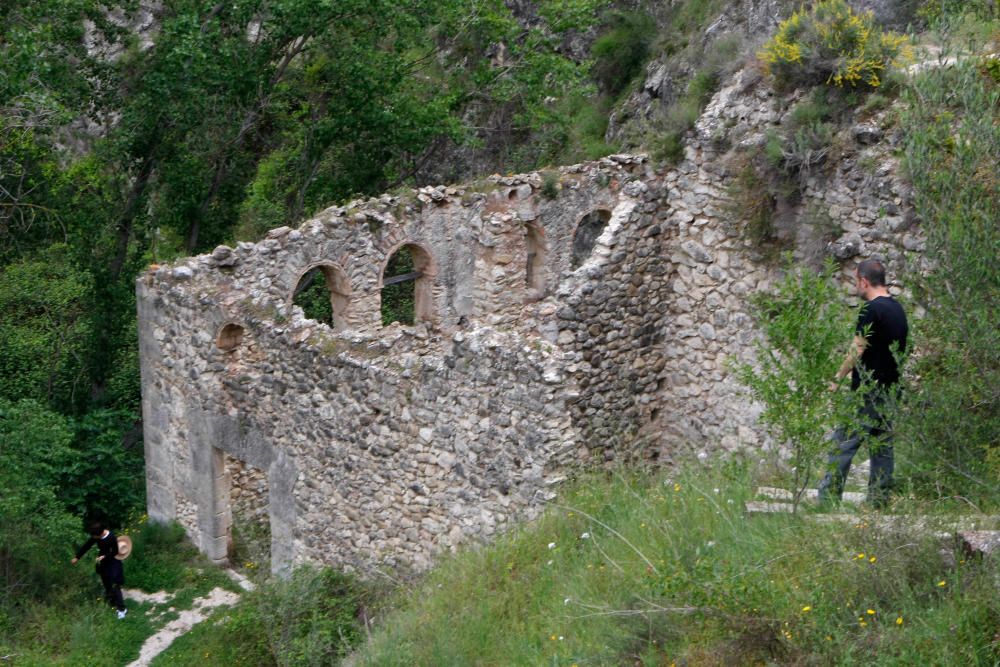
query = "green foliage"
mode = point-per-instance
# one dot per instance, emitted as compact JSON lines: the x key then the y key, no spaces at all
{"x":105,"y":473}
{"x":36,"y":531}
{"x":989,"y":66}
{"x":73,"y":625}
{"x":313,"y":296}
{"x":550,"y":184}
{"x":44,"y":330}
{"x":805,"y":329}
{"x":668,"y":147}
{"x":54,"y":471}
{"x":621,"y":52}
{"x":164,"y":559}
{"x":831,"y":44}
{"x":310,"y":618}
{"x":753,"y":204}
{"x":952,"y":146}
{"x":938,"y":11}
{"x":641,"y":568}
{"x":681,"y":115}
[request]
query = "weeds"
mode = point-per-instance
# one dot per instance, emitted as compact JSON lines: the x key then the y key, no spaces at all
{"x":550,"y":184}
{"x":639,"y":568}
{"x":622,"y":51}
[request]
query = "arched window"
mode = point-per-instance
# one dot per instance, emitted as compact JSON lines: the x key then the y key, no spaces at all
{"x":534,"y":274}
{"x":585,"y":238}
{"x":230,"y":338}
{"x":324,"y":293}
{"x":407,"y":286}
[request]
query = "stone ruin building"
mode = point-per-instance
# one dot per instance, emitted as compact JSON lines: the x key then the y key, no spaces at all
{"x":561,"y":317}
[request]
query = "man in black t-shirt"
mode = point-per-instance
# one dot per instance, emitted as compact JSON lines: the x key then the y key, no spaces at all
{"x":879,"y":337}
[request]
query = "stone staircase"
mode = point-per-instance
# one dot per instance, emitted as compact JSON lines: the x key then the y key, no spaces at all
{"x":976,"y":535}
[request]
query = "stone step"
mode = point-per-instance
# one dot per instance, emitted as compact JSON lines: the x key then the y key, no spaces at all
{"x":774,"y":493}
{"x":979,"y":542}
{"x":976,"y":534}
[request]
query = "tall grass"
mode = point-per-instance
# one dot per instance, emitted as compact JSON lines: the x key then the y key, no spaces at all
{"x":637,"y":568}
{"x":951,"y":429}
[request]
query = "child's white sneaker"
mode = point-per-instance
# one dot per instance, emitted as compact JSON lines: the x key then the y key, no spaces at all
{"x":121,"y":613}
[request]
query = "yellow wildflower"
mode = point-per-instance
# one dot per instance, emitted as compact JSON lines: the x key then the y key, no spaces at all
{"x":807,"y":608}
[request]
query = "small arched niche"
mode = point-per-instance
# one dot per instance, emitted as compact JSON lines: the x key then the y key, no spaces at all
{"x":407,"y":286}
{"x":324,"y":294}
{"x":230,"y":338}
{"x":534,"y":273}
{"x":587,"y":232}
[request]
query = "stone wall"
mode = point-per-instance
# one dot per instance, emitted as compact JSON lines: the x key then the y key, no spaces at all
{"x":383,"y":445}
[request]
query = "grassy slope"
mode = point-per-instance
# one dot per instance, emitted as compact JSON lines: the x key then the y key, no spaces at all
{"x":650,"y":569}
{"x":80,"y":629}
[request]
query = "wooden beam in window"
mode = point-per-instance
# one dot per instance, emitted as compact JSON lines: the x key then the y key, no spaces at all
{"x":402,"y":278}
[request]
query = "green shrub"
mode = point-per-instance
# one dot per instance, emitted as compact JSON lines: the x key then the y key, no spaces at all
{"x":37,"y":533}
{"x":622,"y":51}
{"x":753,"y":204}
{"x":807,"y":148}
{"x":950,"y":429}
{"x":989,"y":66}
{"x":550,"y":184}
{"x":668,"y":148}
{"x":806,"y":329}
{"x":310,"y":618}
{"x":831,"y":44}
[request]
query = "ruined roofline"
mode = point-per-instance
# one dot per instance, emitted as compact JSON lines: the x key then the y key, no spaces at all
{"x":426,"y":195}
{"x":460,"y":228}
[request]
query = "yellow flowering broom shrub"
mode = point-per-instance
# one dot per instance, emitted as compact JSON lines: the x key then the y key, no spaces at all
{"x":831,"y":44}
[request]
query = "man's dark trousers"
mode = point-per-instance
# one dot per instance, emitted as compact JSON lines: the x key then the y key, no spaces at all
{"x":876,"y":432}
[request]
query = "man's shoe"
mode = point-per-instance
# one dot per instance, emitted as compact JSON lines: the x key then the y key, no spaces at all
{"x":121,"y":613}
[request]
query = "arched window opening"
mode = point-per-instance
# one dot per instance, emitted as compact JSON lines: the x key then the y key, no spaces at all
{"x":407,"y":281}
{"x":230,"y":338}
{"x":323,"y":293}
{"x":535,"y":268}
{"x":587,"y":231}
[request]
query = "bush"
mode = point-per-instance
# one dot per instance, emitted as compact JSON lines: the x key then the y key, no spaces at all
{"x":753,"y":205}
{"x":550,"y":184}
{"x":311,"y":618}
{"x":806,"y":330}
{"x":37,"y":533}
{"x":831,"y":44}
{"x":951,"y":428}
{"x":621,"y":52}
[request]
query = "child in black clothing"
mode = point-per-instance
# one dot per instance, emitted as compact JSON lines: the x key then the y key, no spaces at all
{"x":108,"y":567}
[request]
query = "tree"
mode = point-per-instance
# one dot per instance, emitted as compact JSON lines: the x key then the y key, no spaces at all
{"x":805,"y":329}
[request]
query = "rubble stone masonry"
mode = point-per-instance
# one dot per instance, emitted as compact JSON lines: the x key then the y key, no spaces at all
{"x":564,"y":318}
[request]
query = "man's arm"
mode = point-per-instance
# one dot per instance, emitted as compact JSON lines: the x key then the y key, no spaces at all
{"x":858,"y":346}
